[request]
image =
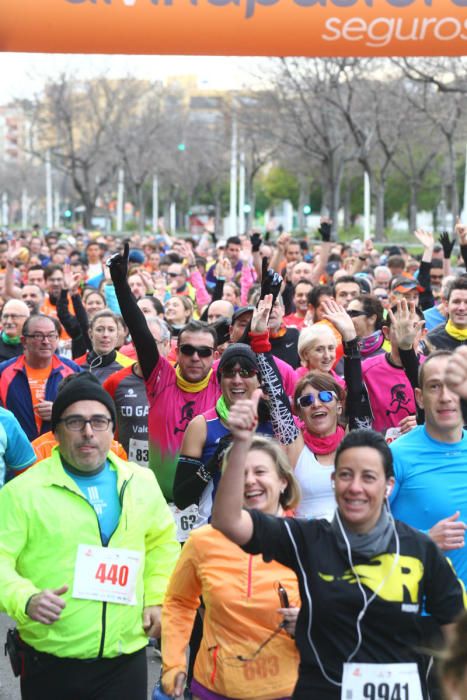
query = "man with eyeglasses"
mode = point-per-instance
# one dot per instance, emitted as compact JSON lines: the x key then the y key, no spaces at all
{"x":29,"y":382}
{"x":85,"y":562}
{"x":14,"y":315}
{"x":175,"y":395}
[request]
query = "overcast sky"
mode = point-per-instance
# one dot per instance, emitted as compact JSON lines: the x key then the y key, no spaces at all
{"x":22,"y":75}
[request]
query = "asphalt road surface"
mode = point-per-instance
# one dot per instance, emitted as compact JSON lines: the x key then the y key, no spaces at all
{"x":9,"y":685}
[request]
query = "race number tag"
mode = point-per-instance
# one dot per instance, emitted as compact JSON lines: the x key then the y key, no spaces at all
{"x":105,"y":574}
{"x":392,"y":434}
{"x":184,"y":520}
{"x":138,"y":451}
{"x":381,"y":682}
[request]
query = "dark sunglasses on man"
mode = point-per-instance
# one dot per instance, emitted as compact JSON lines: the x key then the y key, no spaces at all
{"x":190,"y":350}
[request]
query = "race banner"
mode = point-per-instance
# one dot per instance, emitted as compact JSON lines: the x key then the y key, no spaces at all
{"x":236,"y":27}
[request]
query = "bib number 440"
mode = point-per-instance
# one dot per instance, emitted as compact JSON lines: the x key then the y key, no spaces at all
{"x":113,"y":573}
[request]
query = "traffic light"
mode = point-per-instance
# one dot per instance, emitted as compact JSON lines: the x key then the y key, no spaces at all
{"x":181,"y":147}
{"x":306,"y":209}
{"x":67,"y":214}
{"x":246,"y":208}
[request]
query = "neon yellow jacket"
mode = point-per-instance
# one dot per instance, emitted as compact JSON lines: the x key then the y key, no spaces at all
{"x":43,"y":518}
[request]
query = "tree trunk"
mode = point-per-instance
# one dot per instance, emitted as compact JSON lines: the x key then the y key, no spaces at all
{"x":380,"y":218}
{"x":454,"y":193}
{"x":303,"y":198}
{"x":140,"y":200}
{"x":413,"y":207}
{"x":218,"y":217}
{"x":347,"y":205}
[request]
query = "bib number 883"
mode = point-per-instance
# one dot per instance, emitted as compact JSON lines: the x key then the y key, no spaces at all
{"x":384,"y":691}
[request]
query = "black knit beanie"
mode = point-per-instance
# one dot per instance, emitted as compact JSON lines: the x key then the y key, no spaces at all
{"x":83,"y":386}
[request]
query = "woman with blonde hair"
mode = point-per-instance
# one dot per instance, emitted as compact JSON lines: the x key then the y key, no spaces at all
{"x":317,"y":347}
{"x":246,"y":651}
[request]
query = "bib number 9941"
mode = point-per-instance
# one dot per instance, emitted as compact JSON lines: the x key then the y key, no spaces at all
{"x":381,"y":682}
{"x":386,"y":691}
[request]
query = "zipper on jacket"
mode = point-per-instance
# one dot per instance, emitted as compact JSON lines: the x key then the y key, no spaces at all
{"x":215,"y":651}
{"x":104,"y":604}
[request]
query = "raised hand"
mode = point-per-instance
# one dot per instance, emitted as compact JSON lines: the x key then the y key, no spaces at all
{"x":259,"y":320}
{"x":460,"y":230}
{"x":426,"y":238}
{"x":447,"y":244}
{"x":256,"y":241}
{"x":243,"y":417}
{"x":71,"y":279}
{"x":325,"y":229}
{"x":405,"y":324}
{"x":456,"y":372}
{"x":118,"y":264}
{"x":340,"y":319}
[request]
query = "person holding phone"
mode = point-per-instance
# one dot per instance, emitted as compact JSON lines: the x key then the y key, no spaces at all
{"x":247,"y":650}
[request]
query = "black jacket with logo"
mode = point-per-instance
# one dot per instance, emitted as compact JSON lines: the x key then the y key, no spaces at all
{"x":392,"y":628}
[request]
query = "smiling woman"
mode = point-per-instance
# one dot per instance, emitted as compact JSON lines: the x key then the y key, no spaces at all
{"x":245,"y":651}
{"x":207,"y":435}
{"x":364,"y":577}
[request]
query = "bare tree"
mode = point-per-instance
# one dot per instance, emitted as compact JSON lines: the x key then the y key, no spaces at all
{"x":311,"y":124}
{"x":72,"y":121}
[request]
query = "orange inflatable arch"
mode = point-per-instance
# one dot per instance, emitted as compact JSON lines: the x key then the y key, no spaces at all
{"x":236,"y":27}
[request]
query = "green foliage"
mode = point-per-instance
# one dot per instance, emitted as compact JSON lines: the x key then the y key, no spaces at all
{"x":275,"y":186}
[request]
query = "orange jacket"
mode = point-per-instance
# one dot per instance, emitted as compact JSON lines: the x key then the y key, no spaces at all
{"x":42,"y":446}
{"x":240,"y":594}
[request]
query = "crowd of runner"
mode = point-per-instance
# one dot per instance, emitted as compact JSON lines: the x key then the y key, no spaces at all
{"x":250,"y":449}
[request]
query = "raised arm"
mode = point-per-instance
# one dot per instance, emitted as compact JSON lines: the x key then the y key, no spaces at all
{"x":283,"y":424}
{"x":357,"y":407}
{"x":325,"y":250}
{"x":146,"y":346}
{"x":228,"y":514}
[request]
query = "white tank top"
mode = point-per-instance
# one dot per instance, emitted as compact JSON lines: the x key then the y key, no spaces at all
{"x":315,"y":481}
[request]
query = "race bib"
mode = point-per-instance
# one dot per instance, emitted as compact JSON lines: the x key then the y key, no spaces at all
{"x":392,"y":434}
{"x":107,"y":575}
{"x":381,"y":682}
{"x":184,"y":520}
{"x":138,"y":451}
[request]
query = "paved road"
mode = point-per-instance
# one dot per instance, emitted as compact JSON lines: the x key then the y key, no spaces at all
{"x":9,"y":685}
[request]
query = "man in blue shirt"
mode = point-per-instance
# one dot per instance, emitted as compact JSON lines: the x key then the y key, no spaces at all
{"x":16,"y":453}
{"x":430,"y":465}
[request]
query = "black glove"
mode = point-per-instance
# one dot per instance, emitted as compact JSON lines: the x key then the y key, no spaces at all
{"x":266,"y":278}
{"x":213,"y":237}
{"x":222,"y":326}
{"x":270,"y":284}
{"x":256,"y":241}
{"x":325,"y":231}
{"x":118,"y":265}
{"x":447,"y":244}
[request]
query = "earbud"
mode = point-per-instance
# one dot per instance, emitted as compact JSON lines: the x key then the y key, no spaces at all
{"x":387,"y":492}
{"x":333,"y":485}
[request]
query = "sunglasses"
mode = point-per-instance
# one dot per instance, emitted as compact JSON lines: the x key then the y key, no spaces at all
{"x":309,"y":399}
{"x":354,"y":313}
{"x":243,"y":373}
{"x":172,"y":274}
{"x":202,"y":350}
